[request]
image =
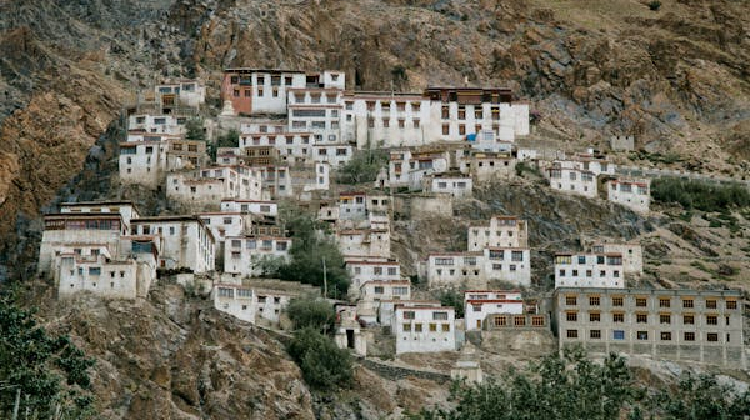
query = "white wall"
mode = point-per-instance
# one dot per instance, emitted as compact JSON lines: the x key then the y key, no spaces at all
{"x":589,"y":270}
{"x":409,"y":339}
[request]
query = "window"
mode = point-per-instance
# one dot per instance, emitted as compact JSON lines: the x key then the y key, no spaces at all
{"x":665,"y":336}
{"x":250,"y":244}
{"x":640,"y":302}
{"x":281,"y":246}
{"x":641,"y":335}
{"x":618,"y":335}
{"x":665,"y":319}
{"x":731,"y":304}
{"x":616,"y":301}
{"x":594,"y":300}
{"x":712,"y":337}
{"x":537,"y":321}
{"x":95,"y":271}
{"x":595,"y":317}
{"x":446,"y":327}
{"x":570,"y":300}
{"x":516,"y":256}
{"x":407,"y":327}
{"x":688,"y":303}
{"x":571,"y":333}
{"x":417,"y":327}
{"x":409,"y":315}
{"x":571,"y":316}
{"x":379,"y":290}
{"x":400,"y":290}
{"x":711,"y":320}
{"x":433,"y":327}
{"x":446,"y":129}
{"x":710,"y":304}
{"x":641,"y":318}
{"x":595,"y":334}
{"x":440,"y":316}
{"x":688,"y":319}
{"x":689,"y":336}
{"x":664,"y":303}
{"x":618,"y":317}
{"x":519,"y":321}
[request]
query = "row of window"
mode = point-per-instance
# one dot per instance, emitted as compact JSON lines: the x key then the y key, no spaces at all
{"x":643,"y":335}
{"x":436,"y":316}
{"x":589,"y":273}
{"x":628,"y":188}
{"x":396,"y":290}
{"x":664,"y":319}
{"x":643,"y":302}
{"x":588,"y":259}
{"x":378,"y":271}
{"x":97,"y":271}
{"x":497,"y":233}
{"x":417,"y":327}
{"x":518,"y":321}
{"x":266,"y":245}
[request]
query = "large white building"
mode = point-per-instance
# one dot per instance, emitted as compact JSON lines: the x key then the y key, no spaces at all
{"x":633,"y":194}
{"x":424,"y":329}
{"x":185,"y":241}
{"x":481,"y":303}
{"x":249,"y":255}
{"x":503,"y":231}
{"x":361,"y":271}
{"x":476,"y":268}
{"x":208,"y":186}
{"x":146,"y":158}
{"x":589,"y":270}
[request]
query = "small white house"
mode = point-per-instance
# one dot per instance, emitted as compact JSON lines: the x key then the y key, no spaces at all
{"x":260,"y":207}
{"x":573,"y":181}
{"x":456,"y":186}
{"x":358,"y":243}
{"x":589,"y":270}
{"x":481,"y":303}
{"x":246,"y":255}
{"x":185,"y":241}
{"x":632,"y":254}
{"x":361,"y":271}
{"x":503,"y":231}
{"x":235,"y":300}
{"x":633,"y":194}
{"x":425,"y":329}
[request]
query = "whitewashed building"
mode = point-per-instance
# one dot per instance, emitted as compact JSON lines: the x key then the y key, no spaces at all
{"x":248,"y":255}
{"x":481,"y":303}
{"x":356,"y":243}
{"x":259,"y":207}
{"x":503,"y":231}
{"x":454,"y":185}
{"x":476,"y":268}
{"x":361,"y":271}
{"x":160,"y":124}
{"x":185,"y":241}
{"x":181,"y":92}
{"x":632,"y":254}
{"x":633,"y":194}
{"x":484,"y":166}
{"x":573,"y":181}
{"x":424,"y":329}
{"x":236,"y":300}
{"x":589,"y":270}
{"x":208,"y":186}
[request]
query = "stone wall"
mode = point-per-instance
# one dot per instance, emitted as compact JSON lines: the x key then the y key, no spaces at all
{"x":525,"y":342}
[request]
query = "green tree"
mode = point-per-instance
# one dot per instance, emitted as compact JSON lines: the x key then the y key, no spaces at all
{"x":46,"y":371}
{"x":229,"y":139}
{"x":195,"y":129}
{"x":310,"y":247}
{"x":700,"y":397}
{"x":455,"y":298}
{"x":363,"y":167}
{"x":699,"y":195}
{"x":311,"y":312}
{"x":324,"y":366}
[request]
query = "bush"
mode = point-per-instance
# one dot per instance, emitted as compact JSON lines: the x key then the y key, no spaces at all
{"x":454,"y":298}
{"x":699,"y":195}
{"x":313,"y":313}
{"x":307,"y":253}
{"x":655,"y":5}
{"x":195,"y":130}
{"x":229,"y":139}
{"x":363,"y":167}
{"x":324,"y":366}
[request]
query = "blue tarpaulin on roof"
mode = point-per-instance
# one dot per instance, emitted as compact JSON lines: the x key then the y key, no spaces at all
{"x":471,"y":137}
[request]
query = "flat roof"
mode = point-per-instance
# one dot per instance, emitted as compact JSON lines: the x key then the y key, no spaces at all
{"x":634,"y":291}
{"x":96,"y":203}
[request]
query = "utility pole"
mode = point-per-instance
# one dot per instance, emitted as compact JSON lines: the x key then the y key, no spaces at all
{"x":325,"y":279}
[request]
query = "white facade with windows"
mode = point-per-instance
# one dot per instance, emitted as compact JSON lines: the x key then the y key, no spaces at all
{"x":361,"y":271}
{"x":102,"y":276}
{"x":456,"y":186}
{"x":589,"y":270}
{"x":188,"y":92}
{"x":503,"y":231}
{"x":254,"y":305}
{"x":632,"y":255}
{"x":248,"y":255}
{"x":385,"y":120}
{"x":377,"y":290}
{"x":481,"y":303}
{"x":488,"y":166}
{"x":633,"y":194}
{"x":475,"y":269}
{"x":424,"y":329}
{"x":260,"y":207}
{"x":185,"y":241}
{"x":364,"y":243}
{"x":573,"y":181}
{"x":407,"y":168}
{"x":208,"y":186}
{"x":160,"y":124}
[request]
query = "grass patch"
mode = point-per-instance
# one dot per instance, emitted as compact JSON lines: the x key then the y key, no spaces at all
{"x":699,"y":195}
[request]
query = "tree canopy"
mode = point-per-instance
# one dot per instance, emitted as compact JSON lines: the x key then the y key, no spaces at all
{"x":310,"y":312}
{"x":324,"y":366}
{"x":47,"y":372}
{"x":363,"y":167}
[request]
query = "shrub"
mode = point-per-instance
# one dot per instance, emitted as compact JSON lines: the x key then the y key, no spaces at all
{"x":229,"y":139}
{"x":324,"y":366}
{"x":655,"y":5}
{"x":699,"y":195}
{"x":363,"y":167}
{"x":312,"y":313}
{"x":454,"y":298}
{"x":195,"y":130}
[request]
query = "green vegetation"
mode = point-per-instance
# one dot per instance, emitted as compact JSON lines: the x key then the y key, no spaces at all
{"x":363,"y":167}
{"x":455,"y":298}
{"x":656,"y":157}
{"x":699,"y":195}
{"x":312,"y":313}
{"x":46,"y":372}
{"x":655,"y":5}
{"x":229,"y":139}
{"x":523,"y":167}
{"x":573,"y":387}
{"x":324,"y":366}
{"x":309,"y":249}
{"x":195,"y":129}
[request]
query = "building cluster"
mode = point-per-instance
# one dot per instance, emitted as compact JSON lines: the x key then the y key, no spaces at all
{"x":296,"y":129}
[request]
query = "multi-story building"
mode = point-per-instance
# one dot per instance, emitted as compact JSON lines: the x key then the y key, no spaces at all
{"x":503,"y":231}
{"x":633,"y":194}
{"x":208,"y":186}
{"x":158,"y":124}
{"x":704,"y":326}
{"x":259,"y":207}
{"x":173,"y":93}
{"x":573,"y":181}
{"x":632,"y":254}
{"x":361,"y":271}
{"x":424,"y":329}
{"x":251,"y":255}
{"x":259,"y":302}
{"x":589,"y":270}
{"x":185,"y":241}
{"x":487,"y":166}
{"x":146,"y":158}
{"x":373,"y":292}
{"x":476,"y":268}
{"x":364,"y":243}
{"x":479,"y":304}
{"x":125,"y":209}
{"x":384,"y":119}
{"x":454,"y":185}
